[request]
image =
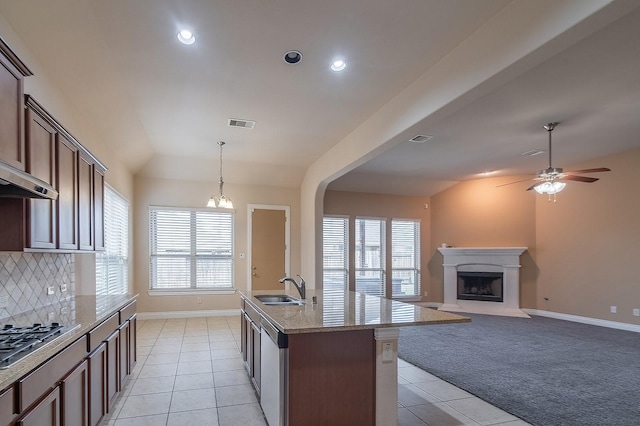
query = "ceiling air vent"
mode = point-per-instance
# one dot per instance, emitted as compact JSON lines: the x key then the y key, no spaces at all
{"x":420,"y":138}
{"x":532,"y":153}
{"x":245,"y":124}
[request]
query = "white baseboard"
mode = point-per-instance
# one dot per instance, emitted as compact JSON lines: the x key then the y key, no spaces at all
{"x":585,"y":320}
{"x":188,"y":314}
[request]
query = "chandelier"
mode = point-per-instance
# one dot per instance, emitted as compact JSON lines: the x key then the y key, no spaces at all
{"x":220,"y":201}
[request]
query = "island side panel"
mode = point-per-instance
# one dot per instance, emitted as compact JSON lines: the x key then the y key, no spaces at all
{"x":332,"y":378}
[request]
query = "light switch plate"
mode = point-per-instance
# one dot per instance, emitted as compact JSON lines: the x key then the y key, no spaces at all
{"x":387,"y":352}
{"x":51,"y":290}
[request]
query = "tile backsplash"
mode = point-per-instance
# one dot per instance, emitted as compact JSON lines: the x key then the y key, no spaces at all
{"x":25,"y":278}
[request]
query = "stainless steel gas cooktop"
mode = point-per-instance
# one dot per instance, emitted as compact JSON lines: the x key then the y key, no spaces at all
{"x":18,"y":342}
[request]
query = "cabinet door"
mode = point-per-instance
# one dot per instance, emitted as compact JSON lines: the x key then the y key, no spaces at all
{"x":113,"y":368}
{"x":11,"y":113}
{"x":247,"y":351}
{"x":97,"y":384}
{"x":98,"y":208}
{"x":85,"y":203}
{"x":133,"y":341}
{"x":123,"y":355}
{"x":44,"y":413}
{"x":40,"y":152}
{"x":74,"y":396}
{"x":67,"y":170}
{"x":255,"y":344}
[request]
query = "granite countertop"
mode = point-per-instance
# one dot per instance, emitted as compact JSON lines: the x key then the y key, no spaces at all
{"x":345,"y":310}
{"x":83,"y":312}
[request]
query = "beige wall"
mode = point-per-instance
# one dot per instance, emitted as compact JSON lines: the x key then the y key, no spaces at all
{"x":588,"y":243}
{"x":478,"y":214}
{"x":582,"y":248}
{"x":192,"y":194}
{"x":388,"y":207}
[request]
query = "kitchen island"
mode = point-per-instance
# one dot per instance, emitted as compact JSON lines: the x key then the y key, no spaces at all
{"x":338,"y":356}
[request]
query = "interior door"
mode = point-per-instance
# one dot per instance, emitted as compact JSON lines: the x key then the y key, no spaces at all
{"x":267,"y":248}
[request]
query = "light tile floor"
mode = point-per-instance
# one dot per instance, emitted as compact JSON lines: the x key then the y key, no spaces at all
{"x":190,"y":373}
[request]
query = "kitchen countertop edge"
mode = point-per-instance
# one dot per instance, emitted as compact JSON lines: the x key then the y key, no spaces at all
{"x":277,"y":315}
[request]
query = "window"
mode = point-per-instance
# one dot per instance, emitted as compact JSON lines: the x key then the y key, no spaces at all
{"x":405,"y":258}
{"x":112,"y":269}
{"x":335,"y":249}
{"x":369,"y":256}
{"x":191,"y":249}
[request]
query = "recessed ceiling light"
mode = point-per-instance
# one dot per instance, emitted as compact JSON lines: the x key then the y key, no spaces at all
{"x":186,"y":37}
{"x":338,"y":65}
{"x":292,"y":57}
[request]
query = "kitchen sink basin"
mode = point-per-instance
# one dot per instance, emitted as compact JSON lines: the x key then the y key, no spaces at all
{"x":278,"y":299}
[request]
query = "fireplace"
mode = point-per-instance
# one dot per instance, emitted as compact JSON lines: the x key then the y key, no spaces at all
{"x":482,"y":280}
{"x":483,"y":286}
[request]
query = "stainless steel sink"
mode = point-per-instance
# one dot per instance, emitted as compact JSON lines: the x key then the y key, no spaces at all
{"x":278,"y":299}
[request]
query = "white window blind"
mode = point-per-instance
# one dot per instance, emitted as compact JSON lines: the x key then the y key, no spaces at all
{"x":335,"y":252}
{"x":112,"y":271}
{"x":190,"y":249}
{"x":405,"y":257}
{"x":370,"y":256}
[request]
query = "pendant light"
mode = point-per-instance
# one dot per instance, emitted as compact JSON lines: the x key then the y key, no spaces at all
{"x":221,"y":201}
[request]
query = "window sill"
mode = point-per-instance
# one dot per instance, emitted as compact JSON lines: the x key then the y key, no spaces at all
{"x":190,"y":292}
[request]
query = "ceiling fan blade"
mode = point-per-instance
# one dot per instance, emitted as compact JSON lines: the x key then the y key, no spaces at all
{"x":517,"y":181}
{"x":580,"y":178}
{"x":596,"y":170}
{"x":533,"y":186}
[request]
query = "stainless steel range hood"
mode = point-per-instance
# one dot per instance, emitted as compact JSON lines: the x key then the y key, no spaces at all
{"x":15,"y":183}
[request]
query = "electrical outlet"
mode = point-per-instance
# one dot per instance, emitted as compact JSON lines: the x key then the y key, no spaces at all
{"x":4,"y":301}
{"x":636,"y":312}
{"x":51,"y":316}
{"x":198,"y":300}
{"x":614,"y":309}
{"x":63,"y":288}
{"x":51,"y":290}
{"x":426,"y":293}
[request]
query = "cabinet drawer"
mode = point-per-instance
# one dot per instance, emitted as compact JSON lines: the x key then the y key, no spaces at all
{"x":101,"y":332}
{"x":34,"y":385}
{"x":252,"y":313}
{"x":127,"y":312}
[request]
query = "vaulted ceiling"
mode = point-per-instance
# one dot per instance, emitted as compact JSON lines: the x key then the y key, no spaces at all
{"x":162,"y":105}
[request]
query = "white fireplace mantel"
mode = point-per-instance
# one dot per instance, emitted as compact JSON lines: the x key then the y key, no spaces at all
{"x":483,"y":259}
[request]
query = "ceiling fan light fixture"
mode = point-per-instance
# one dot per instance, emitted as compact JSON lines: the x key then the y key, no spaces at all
{"x":550,"y":188}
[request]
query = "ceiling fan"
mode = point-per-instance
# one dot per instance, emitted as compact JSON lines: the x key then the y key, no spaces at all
{"x":550,"y":180}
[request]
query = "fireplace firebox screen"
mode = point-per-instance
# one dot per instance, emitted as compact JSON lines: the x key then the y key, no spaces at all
{"x":482,"y":286}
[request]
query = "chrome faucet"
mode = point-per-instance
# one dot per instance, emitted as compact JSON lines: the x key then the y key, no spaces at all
{"x":301,"y":287}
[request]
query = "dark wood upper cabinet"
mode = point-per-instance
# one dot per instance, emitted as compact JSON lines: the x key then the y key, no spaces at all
{"x":67,"y":167}
{"x":98,"y":208}
{"x":85,"y":203}
{"x":41,"y":144}
{"x":12,"y":73}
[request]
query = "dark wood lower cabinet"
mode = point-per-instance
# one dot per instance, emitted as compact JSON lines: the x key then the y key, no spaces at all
{"x":44,"y":413}
{"x":123,"y":356}
{"x":81,"y":383}
{"x":74,"y":396}
{"x":7,"y":407}
{"x":113,"y":368}
{"x":133,"y":342}
{"x":97,"y":384}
